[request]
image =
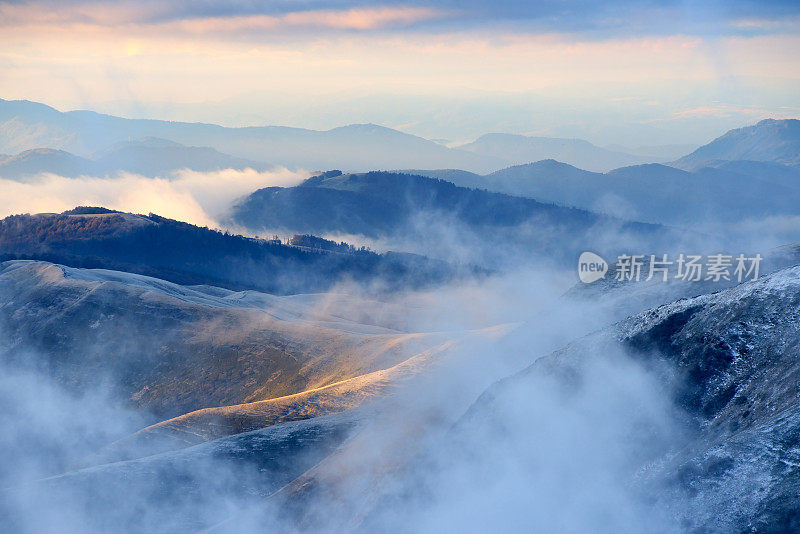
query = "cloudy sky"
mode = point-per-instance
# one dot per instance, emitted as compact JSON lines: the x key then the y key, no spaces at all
{"x":613,"y":72}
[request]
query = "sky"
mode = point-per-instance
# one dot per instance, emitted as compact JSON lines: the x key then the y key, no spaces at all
{"x":614,"y":72}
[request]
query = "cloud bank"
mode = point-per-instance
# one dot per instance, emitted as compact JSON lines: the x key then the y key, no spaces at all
{"x":193,"y":197}
{"x":599,"y":19}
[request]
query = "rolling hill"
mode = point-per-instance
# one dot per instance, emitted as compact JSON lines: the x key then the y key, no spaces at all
{"x":244,"y":359}
{"x":44,"y":160}
{"x":245,"y":391}
{"x":187,"y":254}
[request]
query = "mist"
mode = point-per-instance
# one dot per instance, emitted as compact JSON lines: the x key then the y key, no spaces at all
{"x":194,"y":197}
{"x":564,"y":447}
{"x":548,"y":457}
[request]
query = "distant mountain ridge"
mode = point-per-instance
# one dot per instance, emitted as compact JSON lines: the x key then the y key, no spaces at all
{"x":44,"y":160}
{"x":577,"y":152}
{"x":27,"y":125}
{"x":770,"y":140}
{"x":148,"y":157}
{"x":727,"y":191}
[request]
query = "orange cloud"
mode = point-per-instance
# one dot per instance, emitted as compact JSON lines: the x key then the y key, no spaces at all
{"x":352,"y":19}
{"x":363,"y":19}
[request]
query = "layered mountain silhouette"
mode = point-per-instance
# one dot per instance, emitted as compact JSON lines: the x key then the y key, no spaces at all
{"x":27,"y":125}
{"x":728,"y":191}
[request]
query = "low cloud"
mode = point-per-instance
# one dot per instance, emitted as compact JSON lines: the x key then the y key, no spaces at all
{"x":194,"y":197}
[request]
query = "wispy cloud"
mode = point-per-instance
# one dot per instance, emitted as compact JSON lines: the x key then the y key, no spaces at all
{"x":721,"y":110}
{"x":351,"y":19}
{"x":160,"y":16}
{"x":44,"y":13}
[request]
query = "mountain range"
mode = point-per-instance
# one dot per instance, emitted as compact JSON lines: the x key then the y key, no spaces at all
{"x":147,"y":157}
{"x":523,"y":149}
{"x":26,"y":126}
{"x":745,"y":174}
{"x":728,"y":191}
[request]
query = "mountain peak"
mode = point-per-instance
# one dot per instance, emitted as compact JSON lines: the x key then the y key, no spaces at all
{"x":369,"y":128}
{"x":141,"y":142}
{"x":773,"y":140}
{"x":515,"y":148}
{"x":550,"y":163}
{"x":13,"y":108}
{"x":766,"y":122}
